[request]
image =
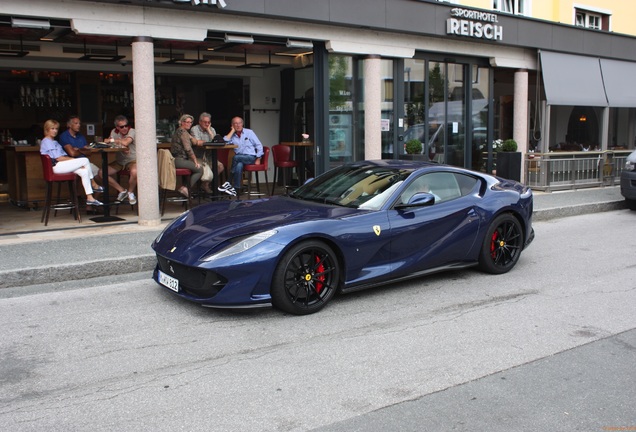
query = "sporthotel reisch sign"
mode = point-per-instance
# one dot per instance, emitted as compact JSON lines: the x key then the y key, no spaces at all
{"x":474,"y":24}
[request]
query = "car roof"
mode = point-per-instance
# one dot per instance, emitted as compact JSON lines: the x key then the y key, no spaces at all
{"x":397,"y":163}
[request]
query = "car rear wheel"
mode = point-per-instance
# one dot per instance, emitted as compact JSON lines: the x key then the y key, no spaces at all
{"x":306,"y":278}
{"x":502,"y":245}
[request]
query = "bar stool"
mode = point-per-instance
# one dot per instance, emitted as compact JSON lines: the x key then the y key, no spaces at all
{"x":254,"y":168}
{"x":223,"y":155}
{"x":50,"y":177}
{"x":185,"y":174}
{"x":167,"y":179}
{"x":282,"y":161}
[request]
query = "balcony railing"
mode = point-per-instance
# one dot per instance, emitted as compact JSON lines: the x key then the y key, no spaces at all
{"x":573,"y":170}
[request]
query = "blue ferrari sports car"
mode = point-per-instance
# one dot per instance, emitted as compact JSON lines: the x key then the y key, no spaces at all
{"x":359,"y":225}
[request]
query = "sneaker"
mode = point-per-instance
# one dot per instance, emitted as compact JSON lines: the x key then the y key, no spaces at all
{"x":227,"y":188}
{"x":98,"y":189}
{"x":132,"y":199}
{"x":94,"y":203}
{"x":122,"y":195}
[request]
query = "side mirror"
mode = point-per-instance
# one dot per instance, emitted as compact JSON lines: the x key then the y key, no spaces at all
{"x":420,"y":199}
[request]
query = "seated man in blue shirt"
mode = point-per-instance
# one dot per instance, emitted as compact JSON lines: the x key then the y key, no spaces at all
{"x":74,"y":144}
{"x":248,"y":152}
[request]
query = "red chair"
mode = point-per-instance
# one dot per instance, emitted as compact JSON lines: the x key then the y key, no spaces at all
{"x":185,"y":174}
{"x":282,"y":161}
{"x":254,"y":168}
{"x":50,"y":177}
{"x":223,"y":155}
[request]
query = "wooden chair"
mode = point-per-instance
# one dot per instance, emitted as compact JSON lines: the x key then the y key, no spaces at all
{"x":255,"y":168}
{"x":50,"y":177}
{"x":282,"y":161}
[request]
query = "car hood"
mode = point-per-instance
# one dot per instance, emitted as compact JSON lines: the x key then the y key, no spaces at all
{"x":215,"y":225}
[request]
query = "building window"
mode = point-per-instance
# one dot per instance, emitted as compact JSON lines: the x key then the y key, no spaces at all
{"x":592,"y":20}
{"x":515,"y":7}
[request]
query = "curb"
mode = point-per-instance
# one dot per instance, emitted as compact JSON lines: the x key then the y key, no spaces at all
{"x":77,"y":271}
{"x":576,"y":210}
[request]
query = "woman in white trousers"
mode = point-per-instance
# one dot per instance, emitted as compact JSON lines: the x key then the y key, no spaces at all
{"x":64,"y":164}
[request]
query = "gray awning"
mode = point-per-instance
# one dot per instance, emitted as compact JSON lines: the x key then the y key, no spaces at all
{"x":618,"y":77}
{"x":572,"y":80}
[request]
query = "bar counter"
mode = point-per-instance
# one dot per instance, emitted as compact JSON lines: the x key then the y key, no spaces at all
{"x":24,"y":174}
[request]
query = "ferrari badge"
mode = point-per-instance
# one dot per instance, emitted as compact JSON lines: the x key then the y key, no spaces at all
{"x":377,"y":230}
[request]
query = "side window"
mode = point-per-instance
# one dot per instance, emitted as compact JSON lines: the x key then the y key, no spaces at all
{"x":445,"y":186}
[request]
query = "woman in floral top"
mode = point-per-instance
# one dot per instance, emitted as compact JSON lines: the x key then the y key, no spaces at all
{"x":184,"y":156}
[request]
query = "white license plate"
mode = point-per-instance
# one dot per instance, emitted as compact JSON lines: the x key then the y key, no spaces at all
{"x":168,"y":281}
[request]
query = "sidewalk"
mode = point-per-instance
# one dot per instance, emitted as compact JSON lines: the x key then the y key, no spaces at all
{"x":66,"y":250}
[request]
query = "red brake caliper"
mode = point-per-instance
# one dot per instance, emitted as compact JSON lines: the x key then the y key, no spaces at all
{"x":321,"y":278}
{"x":493,"y":243}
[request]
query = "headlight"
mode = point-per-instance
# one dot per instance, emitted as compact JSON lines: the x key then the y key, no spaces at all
{"x":242,"y":245}
{"x":630,"y":166}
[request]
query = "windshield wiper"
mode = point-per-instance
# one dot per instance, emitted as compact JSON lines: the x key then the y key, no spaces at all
{"x":323,"y":200}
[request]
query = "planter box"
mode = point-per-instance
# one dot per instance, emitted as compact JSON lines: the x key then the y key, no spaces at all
{"x":509,"y":165}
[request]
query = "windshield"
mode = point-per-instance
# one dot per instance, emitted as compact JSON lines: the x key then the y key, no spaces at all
{"x":356,"y":186}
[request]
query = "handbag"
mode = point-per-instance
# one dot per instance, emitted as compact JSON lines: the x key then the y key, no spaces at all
{"x":207,"y":171}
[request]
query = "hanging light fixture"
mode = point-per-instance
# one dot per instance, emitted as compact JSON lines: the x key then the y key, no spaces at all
{"x":101,"y":56}
{"x":14,"y":53}
{"x":247,"y":65}
{"x":186,"y":61}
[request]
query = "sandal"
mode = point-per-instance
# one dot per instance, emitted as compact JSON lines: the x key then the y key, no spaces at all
{"x":184,"y":191}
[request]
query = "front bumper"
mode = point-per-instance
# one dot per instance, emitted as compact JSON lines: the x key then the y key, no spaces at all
{"x":232,"y":285}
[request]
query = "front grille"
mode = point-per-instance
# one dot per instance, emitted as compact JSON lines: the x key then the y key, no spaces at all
{"x":193,"y":281}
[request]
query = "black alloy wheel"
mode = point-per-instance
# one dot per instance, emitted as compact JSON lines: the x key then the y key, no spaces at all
{"x":306,"y":278}
{"x":502,"y":245}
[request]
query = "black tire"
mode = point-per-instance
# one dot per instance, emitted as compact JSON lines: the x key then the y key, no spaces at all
{"x":631,"y":204}
{"x":306,"y":278}
{"x":502,"y":245}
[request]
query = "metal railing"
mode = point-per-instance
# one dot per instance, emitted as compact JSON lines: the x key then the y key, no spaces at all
{"x":573,"y":170}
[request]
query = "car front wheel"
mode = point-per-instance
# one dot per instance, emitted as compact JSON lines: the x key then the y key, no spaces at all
{"x":306,"y":278}
{"x":502,"y":245}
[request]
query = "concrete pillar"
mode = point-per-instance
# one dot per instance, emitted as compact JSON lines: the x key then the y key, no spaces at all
{"x":145,"y":130}
{"x":605,"y":129}
{"x":520,"y":130}
{"x":372,"y":108}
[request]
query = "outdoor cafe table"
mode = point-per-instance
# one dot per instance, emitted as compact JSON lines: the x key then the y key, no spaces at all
{"x":300,"y":149}
{"x":106,"y":198}
{"x":214,"y":147}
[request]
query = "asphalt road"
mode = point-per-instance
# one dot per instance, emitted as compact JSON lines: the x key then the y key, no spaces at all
{"x":551,"y":346}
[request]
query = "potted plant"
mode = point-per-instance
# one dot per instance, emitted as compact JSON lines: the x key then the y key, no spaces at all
{"x":509,"y":161}
{"x":509,"y":145}
{"x":413,"y":148}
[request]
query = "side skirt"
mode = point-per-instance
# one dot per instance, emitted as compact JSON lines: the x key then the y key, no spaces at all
{"x":361,"y":287}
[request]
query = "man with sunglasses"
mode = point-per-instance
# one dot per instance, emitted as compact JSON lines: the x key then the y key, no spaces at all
{"x":124,"y":136}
